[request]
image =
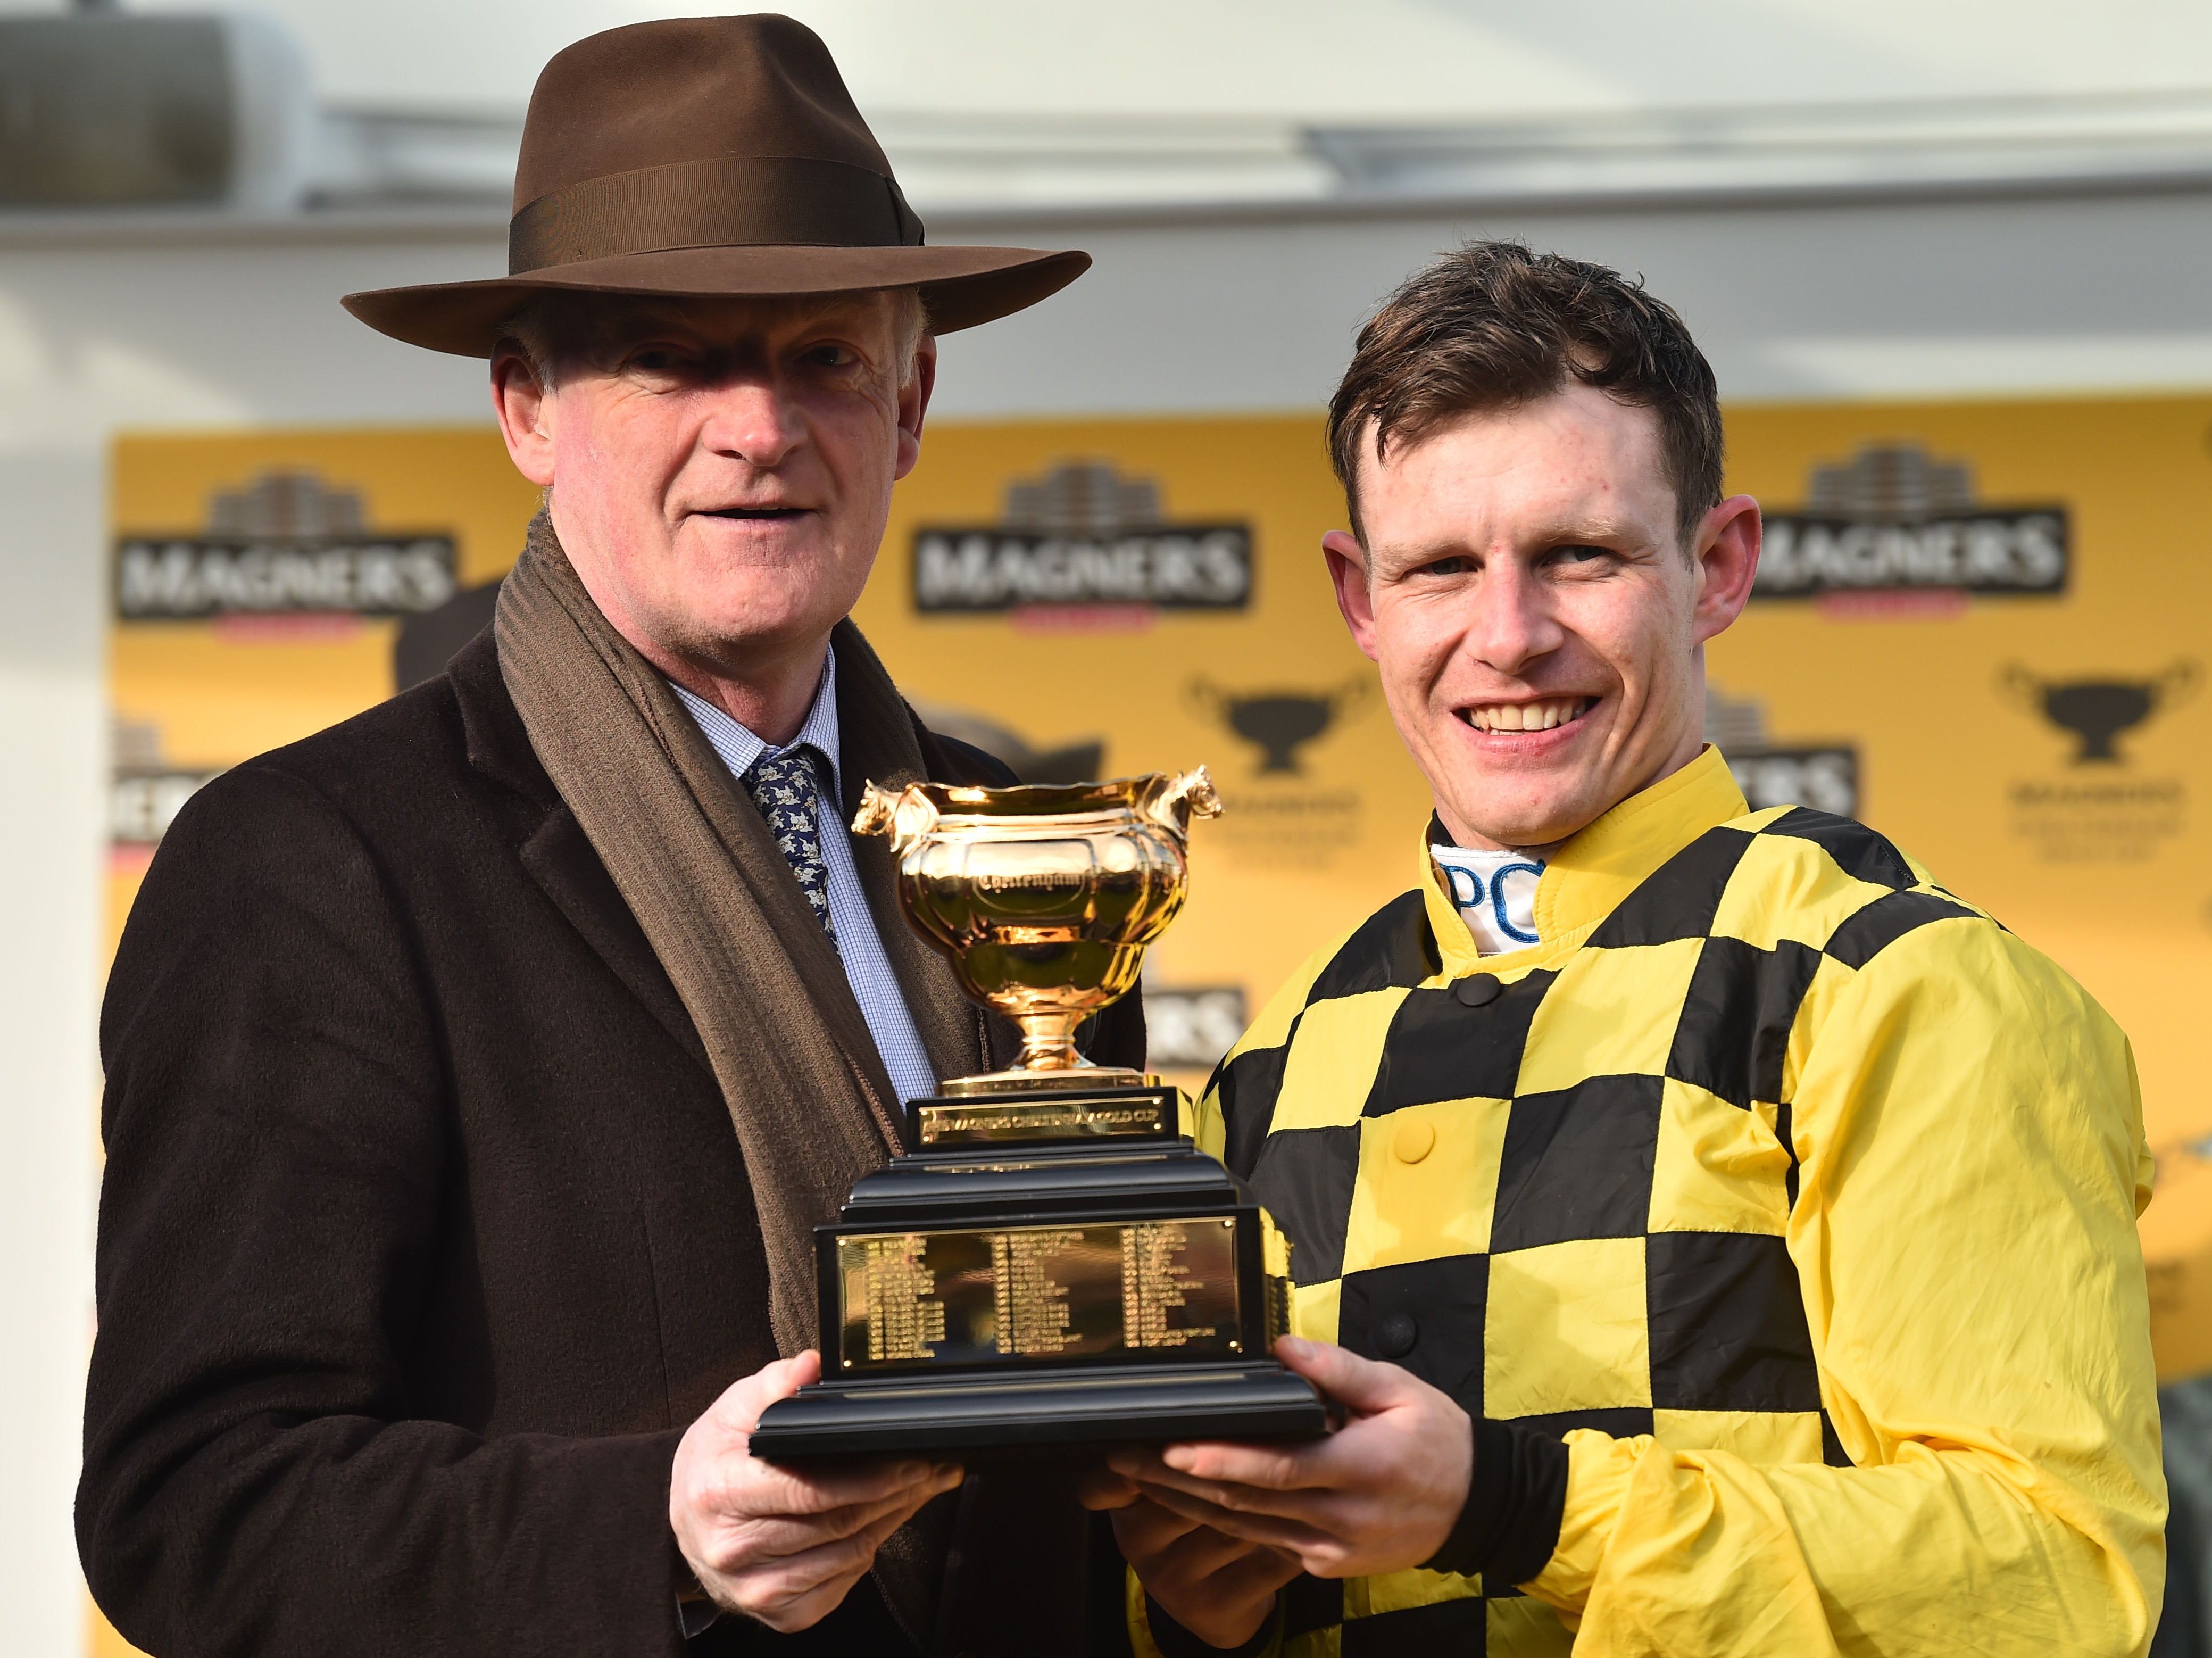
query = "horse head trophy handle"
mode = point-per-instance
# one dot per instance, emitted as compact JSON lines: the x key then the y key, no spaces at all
{"x":907,"y":816}
{"x":1172,"y":803}
{"x":2176,"y":684}
{"x":2026,"y":689}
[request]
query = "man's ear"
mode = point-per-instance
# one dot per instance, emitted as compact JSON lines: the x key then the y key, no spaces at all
{"x":1355,"y":599}
{"x":525,"y":409}
{"x":1727,"y":561}
{"x":913,"y":405}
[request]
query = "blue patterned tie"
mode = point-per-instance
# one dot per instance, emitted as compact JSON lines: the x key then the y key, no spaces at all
{"x":785,"y":787}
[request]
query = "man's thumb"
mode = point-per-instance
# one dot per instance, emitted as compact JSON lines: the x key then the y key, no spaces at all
{"x":750,"y":1395}
{"x":1362,"y":1385}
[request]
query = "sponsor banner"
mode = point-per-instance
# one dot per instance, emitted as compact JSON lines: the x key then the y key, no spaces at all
{"x":1825,"y":779}
{"x":286,"y":541}
{"x":141,"y":805}
{"x":1200,"y":567}
{"x":1081,"y":536}
{"x":1191,"y":1029}
{"x":183,"y":579}
{"x":1892,"y":519}
{"x":2001,"y":668}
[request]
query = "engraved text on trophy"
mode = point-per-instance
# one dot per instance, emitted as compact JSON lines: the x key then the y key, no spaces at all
{"x":970,"y":1297}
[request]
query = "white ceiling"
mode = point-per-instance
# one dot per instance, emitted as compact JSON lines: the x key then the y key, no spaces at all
{"x":1314,"y":62}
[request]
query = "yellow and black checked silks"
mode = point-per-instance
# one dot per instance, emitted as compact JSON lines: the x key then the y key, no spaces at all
{"x":1576,"y":1187}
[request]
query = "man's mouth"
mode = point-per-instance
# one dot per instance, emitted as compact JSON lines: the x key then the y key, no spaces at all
{"x":769,"y":514}
{"x":1542,"y":715}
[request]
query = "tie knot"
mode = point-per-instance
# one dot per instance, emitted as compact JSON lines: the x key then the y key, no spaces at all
{"x":791,"y":768}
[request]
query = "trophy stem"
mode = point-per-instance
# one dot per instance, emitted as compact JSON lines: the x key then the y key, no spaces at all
{"x":1049,"y":1040}
{"x":1047,"y":1063}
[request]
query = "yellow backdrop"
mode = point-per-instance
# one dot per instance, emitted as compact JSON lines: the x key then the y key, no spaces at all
{"x":1968,"y":717}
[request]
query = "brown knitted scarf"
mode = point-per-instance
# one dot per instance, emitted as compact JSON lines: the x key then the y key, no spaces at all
{"x":805,"y":1088}
{"x":807,"y":1091}
{"x":694,"y":860}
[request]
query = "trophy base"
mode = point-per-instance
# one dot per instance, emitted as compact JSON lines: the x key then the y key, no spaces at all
{"x":1091,"y":1409}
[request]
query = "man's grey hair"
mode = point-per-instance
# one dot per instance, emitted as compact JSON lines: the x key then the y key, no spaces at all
{"x":549,"y":327}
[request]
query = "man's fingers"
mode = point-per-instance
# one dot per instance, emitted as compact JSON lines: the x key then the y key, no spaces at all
{"x":1103,"y":1488}
{"x":1255,"y":1572}
{"x":744,"y":1399}
{"x":1365,"y":1386}
{"x":1146,"y":1531}
{"x":775,"y":1536}
{"x":820,"y":1488}
{"x":1254,"y":1478}
{"x":795,"y":1591}
{"x":1272,"y":1467}
{"x":1280,"y":1531}
{"x":1264,"y":1467}
{"x":800,"y":1590}
{"x":1201,"y":1553}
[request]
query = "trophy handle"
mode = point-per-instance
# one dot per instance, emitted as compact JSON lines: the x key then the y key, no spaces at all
{"x":1172,"y":803}
{"x":2176,"y":684}
{"x":1207,"y":699}
{"x":906,"y":817}
{"x":2022,"y":686}
{"x":1353,"y":694}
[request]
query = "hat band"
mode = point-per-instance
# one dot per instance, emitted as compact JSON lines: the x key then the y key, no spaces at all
{"x":730,"y":201}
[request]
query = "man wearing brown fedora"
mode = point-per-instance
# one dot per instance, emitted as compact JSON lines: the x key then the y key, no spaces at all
{"x":477,"y":1070}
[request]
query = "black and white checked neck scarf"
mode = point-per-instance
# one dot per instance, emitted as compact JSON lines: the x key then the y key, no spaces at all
{"x":787,"y":790}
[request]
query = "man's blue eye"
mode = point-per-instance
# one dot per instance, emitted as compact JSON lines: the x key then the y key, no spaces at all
{"x":1450,"y":567}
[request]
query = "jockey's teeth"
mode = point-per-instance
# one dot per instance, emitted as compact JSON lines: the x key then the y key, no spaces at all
{"x":1527,"y":717}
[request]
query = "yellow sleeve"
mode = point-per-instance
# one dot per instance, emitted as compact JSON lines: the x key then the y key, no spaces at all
{"x":1969,"y":1138}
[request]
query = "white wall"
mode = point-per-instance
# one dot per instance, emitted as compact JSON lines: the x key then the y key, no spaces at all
{"x":1228,"y":314}
{"x":1929,"y":298}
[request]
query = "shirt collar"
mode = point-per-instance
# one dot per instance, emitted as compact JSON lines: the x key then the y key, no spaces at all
{"x":1589,"y":873}
{"x":740,"y":747}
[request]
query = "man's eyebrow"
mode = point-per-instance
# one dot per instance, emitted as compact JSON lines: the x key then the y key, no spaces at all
{"x":1581,"y":532}
{"x":1592,"y":532}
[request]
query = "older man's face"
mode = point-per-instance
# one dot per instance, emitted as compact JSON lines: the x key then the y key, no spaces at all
{"x":722,"y":471}
{"x":1537,"y":623}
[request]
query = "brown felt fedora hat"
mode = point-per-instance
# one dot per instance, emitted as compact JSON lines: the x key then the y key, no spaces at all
{"x":705,"y":157}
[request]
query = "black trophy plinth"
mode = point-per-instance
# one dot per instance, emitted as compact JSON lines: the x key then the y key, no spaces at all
{"x":1054,"y":1268}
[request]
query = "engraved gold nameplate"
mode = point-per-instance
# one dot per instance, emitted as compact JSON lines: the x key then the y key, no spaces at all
{"x":1124,"y":1289}
{"x":1051,"y":1263}
{"x":1124,"y":1114}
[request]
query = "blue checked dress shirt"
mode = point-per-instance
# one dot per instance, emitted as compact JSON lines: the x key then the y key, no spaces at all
{"x":851,"y":923}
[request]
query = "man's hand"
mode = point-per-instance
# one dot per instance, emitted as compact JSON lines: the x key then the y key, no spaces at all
{"x":1219,"y":1588}
{"x":784,"y":1545}
{"x":1379,"y":1495}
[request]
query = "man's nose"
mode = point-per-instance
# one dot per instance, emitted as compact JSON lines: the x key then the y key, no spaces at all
{"x":754,"y":419}
{"x":1513,"y":622}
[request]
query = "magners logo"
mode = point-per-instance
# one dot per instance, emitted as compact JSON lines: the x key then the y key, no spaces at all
{"x":1083,"y":535}
{"x":1823,"y":776}
{"x":284,"y":544}
{"x":1892,"y":519}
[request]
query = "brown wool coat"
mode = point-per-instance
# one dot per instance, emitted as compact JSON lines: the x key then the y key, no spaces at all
{"x":425,"y":1232}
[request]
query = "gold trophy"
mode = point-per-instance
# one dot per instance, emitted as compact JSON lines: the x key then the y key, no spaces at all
{"x":1051,"y":1262}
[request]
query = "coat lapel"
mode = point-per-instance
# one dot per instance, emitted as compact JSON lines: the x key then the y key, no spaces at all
{"x":560,"y":859}
{"x":556,"y":852}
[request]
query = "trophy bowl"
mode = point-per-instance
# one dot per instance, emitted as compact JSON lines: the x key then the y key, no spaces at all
{"x":1042,"y":897}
